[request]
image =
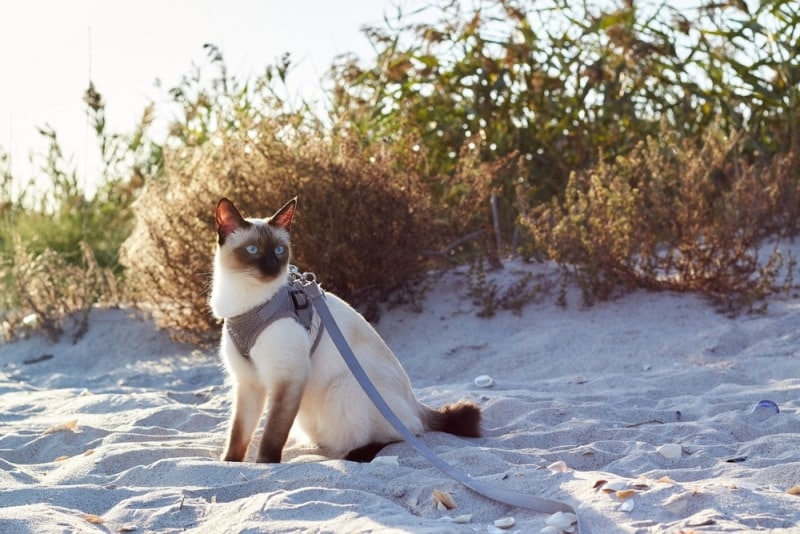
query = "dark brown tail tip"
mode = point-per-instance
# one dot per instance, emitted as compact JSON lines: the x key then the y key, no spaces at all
{"x":462,"y":418}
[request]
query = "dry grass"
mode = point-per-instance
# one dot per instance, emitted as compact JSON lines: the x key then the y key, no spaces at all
{"x":676,"y":215}
{"x":50,"y":289}
{"x":361,"y":226}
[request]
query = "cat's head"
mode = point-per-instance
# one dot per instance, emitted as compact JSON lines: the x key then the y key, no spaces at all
{"x":257,"y":247}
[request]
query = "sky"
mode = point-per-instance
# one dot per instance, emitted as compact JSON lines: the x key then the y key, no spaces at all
{"x":50,"y":49}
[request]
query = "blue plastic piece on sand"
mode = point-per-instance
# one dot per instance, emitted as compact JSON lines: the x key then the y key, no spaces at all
{"x":765,"y":409}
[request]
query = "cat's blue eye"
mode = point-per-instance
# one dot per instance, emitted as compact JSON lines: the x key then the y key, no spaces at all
{"x":279,"y":250}
{"x":252,"y":250}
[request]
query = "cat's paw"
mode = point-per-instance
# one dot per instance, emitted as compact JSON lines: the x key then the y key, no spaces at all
{"x":269,"y":459}
{"x":230,"y":456}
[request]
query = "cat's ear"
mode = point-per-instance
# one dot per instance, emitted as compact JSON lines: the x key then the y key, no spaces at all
{"x":283,"y":217}
{"x":227,"y":220}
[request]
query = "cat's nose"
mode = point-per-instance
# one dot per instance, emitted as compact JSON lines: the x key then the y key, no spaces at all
{"x":270,"y":264}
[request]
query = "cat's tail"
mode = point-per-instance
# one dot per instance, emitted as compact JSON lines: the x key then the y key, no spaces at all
{"x":462,"y":418}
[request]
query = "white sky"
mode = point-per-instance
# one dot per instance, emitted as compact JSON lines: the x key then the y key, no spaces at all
{"x":48,"y":48}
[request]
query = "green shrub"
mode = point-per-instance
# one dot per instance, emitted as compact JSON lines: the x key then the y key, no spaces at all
{"x":59,"y":247}
{"x":563,"y":83}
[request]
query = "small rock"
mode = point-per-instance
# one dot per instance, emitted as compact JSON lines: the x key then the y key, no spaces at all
{"x":765,"y":409}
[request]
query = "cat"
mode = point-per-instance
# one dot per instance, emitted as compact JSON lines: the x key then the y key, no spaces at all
{"x":304,"y":381}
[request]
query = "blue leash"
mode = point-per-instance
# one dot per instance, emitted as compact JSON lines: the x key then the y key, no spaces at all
{"x":537,"y":504}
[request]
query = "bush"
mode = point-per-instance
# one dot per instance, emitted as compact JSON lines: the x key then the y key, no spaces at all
{"x":563,"y":83}
{"x":48,"y":288}
{"x":360,"y":226}
{"x":59,"y":246}
{"x":367,"y":219}
{"x":673,"y":214}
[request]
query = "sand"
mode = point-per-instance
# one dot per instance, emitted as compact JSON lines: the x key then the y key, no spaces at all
{"x":121,"y":432}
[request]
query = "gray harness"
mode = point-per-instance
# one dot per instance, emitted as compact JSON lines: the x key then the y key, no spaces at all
{"x":290,"y":301}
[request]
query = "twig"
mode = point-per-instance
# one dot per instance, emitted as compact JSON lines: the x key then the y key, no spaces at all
{"x":455,"y":244}
{"x":515,"y":240}
{"x":650,"y":422}
{"x":496,"y":222}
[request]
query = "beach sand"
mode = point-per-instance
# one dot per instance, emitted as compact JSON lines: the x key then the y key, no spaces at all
{"x":121,"y":432}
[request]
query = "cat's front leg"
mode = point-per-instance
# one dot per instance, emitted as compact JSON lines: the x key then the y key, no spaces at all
{"x":282,"y":407}
{"x":248,"y":405}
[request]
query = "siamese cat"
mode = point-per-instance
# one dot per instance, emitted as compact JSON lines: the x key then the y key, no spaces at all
{"x":303,"y":381}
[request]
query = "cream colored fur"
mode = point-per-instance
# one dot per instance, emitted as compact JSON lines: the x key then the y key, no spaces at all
{"x":334,"y":412}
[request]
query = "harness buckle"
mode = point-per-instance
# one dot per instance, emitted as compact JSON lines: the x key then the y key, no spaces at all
{"x":299,"y":298}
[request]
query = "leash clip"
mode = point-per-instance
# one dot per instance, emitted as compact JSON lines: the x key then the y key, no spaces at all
{"x":304,"y":278}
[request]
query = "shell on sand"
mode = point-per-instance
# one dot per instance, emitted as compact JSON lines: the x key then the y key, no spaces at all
{"x":558,"y":467}
{"x":484,"y":381}
{"x":68,"y":425}
{"x":504,"y":522}
{"x":615,"y":485}
{"x":94,"y":519}
{"x":627,"y":506}
{"x":670,"y":451}
{"x":444,"y":499}
{"x":561,"y":520}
